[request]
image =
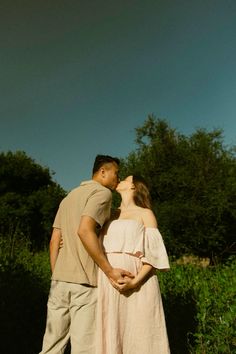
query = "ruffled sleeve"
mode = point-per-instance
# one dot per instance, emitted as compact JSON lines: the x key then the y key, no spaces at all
{"x":154,"y":249}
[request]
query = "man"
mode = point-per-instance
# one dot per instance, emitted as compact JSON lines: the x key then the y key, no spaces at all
{"x":73,"y":293}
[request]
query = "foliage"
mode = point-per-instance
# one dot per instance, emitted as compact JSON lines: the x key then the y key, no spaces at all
{"x":193,"y":187}
{"x":29,"y":199}
{"x":209,"y":295}
{"x":24,"y":284}
{"x":17,"y":255}
{"x":199,"y":303}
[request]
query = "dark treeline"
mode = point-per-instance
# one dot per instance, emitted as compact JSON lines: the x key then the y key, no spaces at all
{"x":193,"y":186}
{"x":28,"y":200}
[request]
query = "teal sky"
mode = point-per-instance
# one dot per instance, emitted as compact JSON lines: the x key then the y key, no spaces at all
{"x":77,"y":77}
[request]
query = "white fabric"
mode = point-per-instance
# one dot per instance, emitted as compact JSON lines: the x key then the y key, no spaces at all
{"x":146,"y":243}
{"x":133,"y":322}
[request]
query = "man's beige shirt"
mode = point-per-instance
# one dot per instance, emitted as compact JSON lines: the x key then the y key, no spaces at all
{"x":73,"y":263}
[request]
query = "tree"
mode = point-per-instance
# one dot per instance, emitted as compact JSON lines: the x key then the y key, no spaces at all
{"x":29,"y":199}
{"x":193,"y":186}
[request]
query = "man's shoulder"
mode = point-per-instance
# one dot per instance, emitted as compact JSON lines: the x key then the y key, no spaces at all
{"x":92,"y":187}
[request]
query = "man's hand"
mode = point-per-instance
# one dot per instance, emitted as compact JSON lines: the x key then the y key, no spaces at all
{"x":117,"y":274}
{"x":119,"y":278}
{"x":129,"y":283}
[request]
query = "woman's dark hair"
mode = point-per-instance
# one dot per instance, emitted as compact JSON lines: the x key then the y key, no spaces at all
{"x":142,"y":195}
{"x":101,"y":160}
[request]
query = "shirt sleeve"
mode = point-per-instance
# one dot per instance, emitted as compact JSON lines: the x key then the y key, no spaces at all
{"x":98,"y":206}
{"x":154,"y":249}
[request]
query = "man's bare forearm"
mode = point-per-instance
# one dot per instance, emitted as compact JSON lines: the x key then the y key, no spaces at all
{"x":89,"y":238}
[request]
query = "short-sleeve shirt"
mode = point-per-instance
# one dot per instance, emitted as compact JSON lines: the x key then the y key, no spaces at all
{"x":73,"y":262}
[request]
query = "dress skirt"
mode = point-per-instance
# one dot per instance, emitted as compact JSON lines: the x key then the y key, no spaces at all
{"x":134,"y":322}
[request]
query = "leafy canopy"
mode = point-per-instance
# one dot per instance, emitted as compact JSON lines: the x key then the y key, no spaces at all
{"x":28,"y":199}
{"x":193,"y":186}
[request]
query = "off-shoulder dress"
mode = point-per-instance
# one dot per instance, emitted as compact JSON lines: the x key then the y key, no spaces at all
{"x":133,"y":322}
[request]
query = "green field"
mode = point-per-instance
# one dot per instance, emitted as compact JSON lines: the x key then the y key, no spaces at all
{"x":199,"y":303}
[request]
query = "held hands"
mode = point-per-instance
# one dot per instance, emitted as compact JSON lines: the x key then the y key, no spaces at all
{"x":122,"y":280}
{"x":125,"y":284}
{"x":119,"y":274}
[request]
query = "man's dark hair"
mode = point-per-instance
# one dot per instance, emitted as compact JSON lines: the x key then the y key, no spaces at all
{"x":101,"y":160}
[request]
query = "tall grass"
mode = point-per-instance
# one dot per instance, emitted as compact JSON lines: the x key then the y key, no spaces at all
{"x":199,"y":302}
{"x":209,"y":295}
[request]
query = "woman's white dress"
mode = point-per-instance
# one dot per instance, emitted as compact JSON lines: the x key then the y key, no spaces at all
{"x":133,"y":322}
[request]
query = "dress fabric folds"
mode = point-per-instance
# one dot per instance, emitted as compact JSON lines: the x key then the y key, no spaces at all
{"x":133,"y":322}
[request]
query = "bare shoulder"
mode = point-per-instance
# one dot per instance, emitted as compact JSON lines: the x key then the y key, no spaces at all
{"x":149,"y":219}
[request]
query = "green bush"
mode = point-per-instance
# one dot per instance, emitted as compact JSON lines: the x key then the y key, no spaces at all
{"x":208,"y":294}
{"x":24,"y":284}
{"x":16,"y":254}
{"x":198,"y":301}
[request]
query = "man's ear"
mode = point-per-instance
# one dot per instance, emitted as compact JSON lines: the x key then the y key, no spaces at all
{"x":102,"y":169}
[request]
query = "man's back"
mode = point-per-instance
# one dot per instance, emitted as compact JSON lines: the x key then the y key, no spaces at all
{"x":73,"y":262}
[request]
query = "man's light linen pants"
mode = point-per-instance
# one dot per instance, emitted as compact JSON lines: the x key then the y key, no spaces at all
{"x":71,"y":315}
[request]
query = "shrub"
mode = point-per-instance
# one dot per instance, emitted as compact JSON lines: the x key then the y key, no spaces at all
{"x":208,"y":298}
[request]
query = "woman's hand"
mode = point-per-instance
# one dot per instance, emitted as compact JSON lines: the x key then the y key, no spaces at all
{"x":125,"y":284}
{"x":61,"y":243}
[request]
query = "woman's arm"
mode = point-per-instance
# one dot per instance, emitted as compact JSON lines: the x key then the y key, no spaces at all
{"x":136,"y":282}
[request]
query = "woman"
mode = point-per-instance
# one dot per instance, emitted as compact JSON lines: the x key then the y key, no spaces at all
{"x":131,"y":320}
